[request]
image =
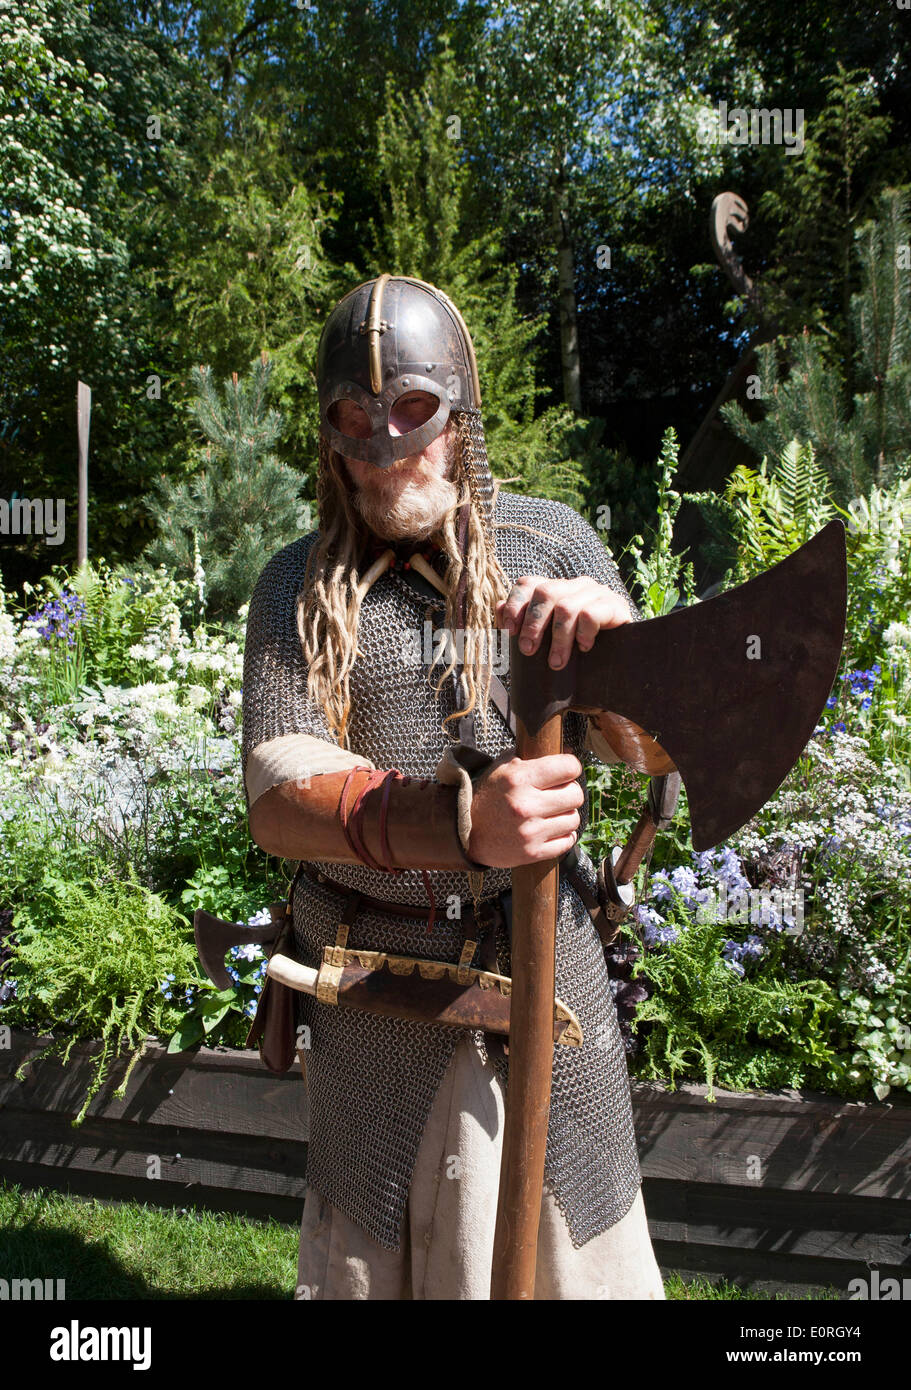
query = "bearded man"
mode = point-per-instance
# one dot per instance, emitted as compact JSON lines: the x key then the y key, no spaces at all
{"x":397,"y":786}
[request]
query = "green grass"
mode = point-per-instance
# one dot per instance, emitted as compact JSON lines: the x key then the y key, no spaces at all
{"x":113,"y":1250}
{"x":134,"y":1250}
{"x":677,"y":1287}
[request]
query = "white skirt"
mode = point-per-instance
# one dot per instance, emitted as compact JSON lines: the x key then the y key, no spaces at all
{"x":447,"y":1237}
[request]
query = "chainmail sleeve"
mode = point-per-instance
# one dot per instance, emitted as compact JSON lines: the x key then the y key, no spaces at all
{"x":580,"y":550}
{"x":275,"y":699}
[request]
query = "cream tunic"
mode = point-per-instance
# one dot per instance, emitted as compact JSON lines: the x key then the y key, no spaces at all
{"x":447,"y":1238}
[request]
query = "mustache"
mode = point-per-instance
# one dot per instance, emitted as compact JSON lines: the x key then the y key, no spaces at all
{"x":416,"y":510}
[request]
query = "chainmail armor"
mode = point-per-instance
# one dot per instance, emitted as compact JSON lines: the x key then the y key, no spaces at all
{"x":372,"y":1080}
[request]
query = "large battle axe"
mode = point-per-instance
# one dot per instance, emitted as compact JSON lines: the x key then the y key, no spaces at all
{"x":731,"y":689}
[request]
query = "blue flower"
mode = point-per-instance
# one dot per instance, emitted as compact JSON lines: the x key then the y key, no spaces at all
{"x":250,"y":951}
{"x":684,"y":880}
{"x":730,"y":870}
{"x":54,"y":619}
{"x":734,"y":953}
{"x":659,"y":886}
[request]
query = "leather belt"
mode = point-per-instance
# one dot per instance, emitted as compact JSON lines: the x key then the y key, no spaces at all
{"x":485,"y":916}
{"x":604,"y":914}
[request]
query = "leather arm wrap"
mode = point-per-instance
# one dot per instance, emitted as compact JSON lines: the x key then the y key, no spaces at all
{"x":417,"y":820}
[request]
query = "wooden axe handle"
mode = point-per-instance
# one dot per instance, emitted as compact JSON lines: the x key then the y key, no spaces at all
{"x":535,"y":890}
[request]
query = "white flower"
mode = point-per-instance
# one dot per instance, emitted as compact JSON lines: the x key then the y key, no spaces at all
{"x":897,"y":635}
{"x":7,"y":637}
{"x":164,"y":662}
{"x":196,"y":696}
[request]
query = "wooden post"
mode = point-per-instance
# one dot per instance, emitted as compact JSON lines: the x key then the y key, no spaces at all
{"x":83,"y":416}
{"x":535,"y":891}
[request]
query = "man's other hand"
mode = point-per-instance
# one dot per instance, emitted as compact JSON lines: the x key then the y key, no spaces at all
{"x":579,"y":608}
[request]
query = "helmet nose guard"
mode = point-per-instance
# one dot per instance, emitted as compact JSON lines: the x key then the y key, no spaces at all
{"x":386,"y":338}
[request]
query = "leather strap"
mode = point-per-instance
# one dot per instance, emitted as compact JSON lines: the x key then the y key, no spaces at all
{"x":410,"y":910}
{"x":352,"y":826}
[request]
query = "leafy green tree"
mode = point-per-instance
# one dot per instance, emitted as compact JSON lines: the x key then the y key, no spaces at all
{"x":862,"y":441}
{"x":95,"y":119}
{"x":424,"y":230}
{"x":220,"y":524}
{"x":250,"y":274}
{"x":588,"y":109}
{"x":818,"y":208}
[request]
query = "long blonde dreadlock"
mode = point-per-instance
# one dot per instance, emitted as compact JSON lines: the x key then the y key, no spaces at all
{"x":328,"y":606}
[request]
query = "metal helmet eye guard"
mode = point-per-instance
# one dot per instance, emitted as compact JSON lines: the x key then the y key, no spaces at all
{"x":386,"y":339}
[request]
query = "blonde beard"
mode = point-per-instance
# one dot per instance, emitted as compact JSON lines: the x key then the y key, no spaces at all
{"x":412,"y":511}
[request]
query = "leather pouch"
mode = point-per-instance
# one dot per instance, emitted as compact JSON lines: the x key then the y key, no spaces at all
{"x":274,"y":1027}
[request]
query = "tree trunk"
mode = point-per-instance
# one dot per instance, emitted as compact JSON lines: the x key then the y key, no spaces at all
{"x":569,"y":332}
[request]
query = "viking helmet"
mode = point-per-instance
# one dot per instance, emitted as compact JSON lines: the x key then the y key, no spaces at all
{"x":385,"y":339}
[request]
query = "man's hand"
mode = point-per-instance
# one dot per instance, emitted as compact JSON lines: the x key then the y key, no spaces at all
{"x":580,"y":608}
{"x":525,"y":811}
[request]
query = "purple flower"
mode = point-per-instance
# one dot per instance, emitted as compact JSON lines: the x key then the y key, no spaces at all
{"x":730,"y":870}
{"x":684,"y":880}
{"x":655,"y":931}
{"x":734,"y":953}
{"x":659,"y":888}
{"x":57,"y":616}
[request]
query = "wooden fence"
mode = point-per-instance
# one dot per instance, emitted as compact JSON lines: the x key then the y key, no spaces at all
{"x":778,"y":1190}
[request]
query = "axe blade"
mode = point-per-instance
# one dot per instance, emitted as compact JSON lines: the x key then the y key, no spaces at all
{"x":214,"y":938}
{"x":731,"y":688}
